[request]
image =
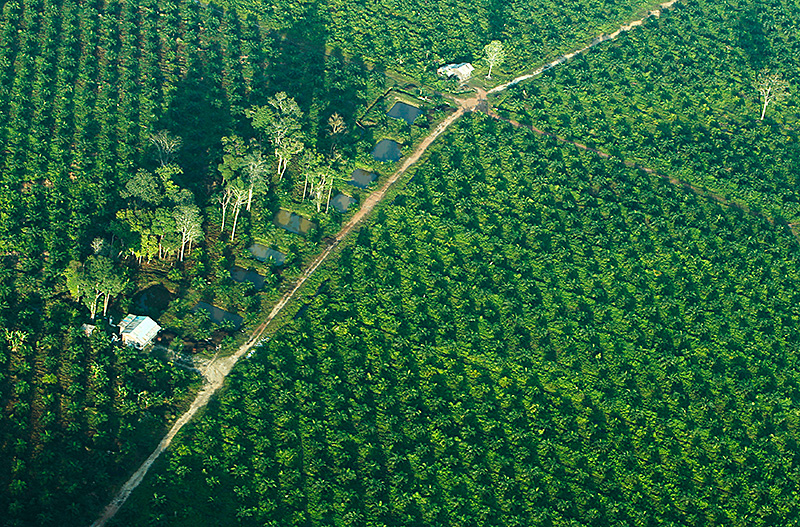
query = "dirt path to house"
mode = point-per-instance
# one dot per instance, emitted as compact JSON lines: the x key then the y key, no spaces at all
{"x":219,"y":368}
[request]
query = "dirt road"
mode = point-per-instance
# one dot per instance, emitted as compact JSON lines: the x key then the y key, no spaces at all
{"x":218,"y":369}
{"x":596,"y":42}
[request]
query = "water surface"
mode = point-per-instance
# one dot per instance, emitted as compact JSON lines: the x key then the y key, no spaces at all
{"x":404,"y":111}
{"x":262,"y":253}
{"x":218,"y":315}
{"x":292,"y":222}
{"x":386,"y":150}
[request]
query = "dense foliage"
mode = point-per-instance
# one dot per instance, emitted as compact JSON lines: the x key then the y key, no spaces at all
{"x":419,"y":36}
{"x":530,"y":336}
{"x":83,"y":86}
{"x":681,"y":95}
{"x":76,"y":414}
{"x":111,"y":121}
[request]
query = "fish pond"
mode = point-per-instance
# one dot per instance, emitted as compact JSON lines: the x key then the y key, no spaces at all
{"x":404,"y":111}
{"x":217,"y":315}
{"x":342,"y":202}
{"x":386,"y":150}
{"x":292,"y":222}
{"x":239,"y":274}
{"x":362,"y":178}
{"x":262,"y":253}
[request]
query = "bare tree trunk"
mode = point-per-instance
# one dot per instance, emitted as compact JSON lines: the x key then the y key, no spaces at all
{"x":183,"y":244}
{"x":105,"y":304}
{"x":282,"y":164}
{"x":226,"y":201}
{"x":305,"y":186}
{"x":235,"y":219}
{"x":328,"y":202}
{"x":764,"y":109}
{"x":249,"y":197}
{"x":94,"y":305}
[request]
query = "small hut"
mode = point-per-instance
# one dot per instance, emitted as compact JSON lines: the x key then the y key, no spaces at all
{"x":138,"y":330}
{"x":462,"y":71}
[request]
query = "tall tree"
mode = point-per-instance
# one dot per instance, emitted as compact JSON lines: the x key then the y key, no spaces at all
{"x":167,"y":146}
{"x":80,"y":286}
{"x":189,"y":223}
{"x":494,"y":55}
{"x":336,"y":127}
{"x":238,"y":190}
{"x":224,"y":201}
{"x":285,"y":152}
{"x":233,"y":160}
{"x":109,"y":280}
{"x":319,"y":176}
{"x":144,"y":188}
{"x":97,"y":279}
{"x":148,"y":227}
{"x":773,"y":88}
{"x":280,"y":121}
{"x":162,"y":226}
{"x":256,"y":169}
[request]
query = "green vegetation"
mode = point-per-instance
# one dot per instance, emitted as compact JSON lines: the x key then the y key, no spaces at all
{"x":116,"y":120}
{"x":113,"y":116}
{"x":77,"y":414}
{"x":417,"y":37}
{"x":681,"y":95}
{"x":529,"y":336}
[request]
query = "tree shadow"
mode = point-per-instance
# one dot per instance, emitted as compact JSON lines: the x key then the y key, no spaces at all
{"x":298,"y":65}
{"x":200,"y":114}
{"x":345,"y":91}
{"x":497,"y":20}
{"x":752,"y":38}
{"x":206,"y":107}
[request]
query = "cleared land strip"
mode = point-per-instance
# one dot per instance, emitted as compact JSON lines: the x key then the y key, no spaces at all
{"x":219,"y":368}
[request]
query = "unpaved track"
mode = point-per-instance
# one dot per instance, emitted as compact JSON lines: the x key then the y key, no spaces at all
{"x":596,"y":42}
{"x":219,"y":368}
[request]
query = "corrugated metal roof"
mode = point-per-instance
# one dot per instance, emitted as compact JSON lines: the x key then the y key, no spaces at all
{"x":138,"y":328}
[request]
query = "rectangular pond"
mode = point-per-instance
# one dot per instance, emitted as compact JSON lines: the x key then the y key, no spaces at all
{"x":386,"y":150}
{"x":292,"y":222}
{"x":217,"y":315}
{"x":362,"y":178}
{"x":404,"y":111}
{"x":239,"y":274}
{"x":342,"y":202}
{"x":262,"y":253}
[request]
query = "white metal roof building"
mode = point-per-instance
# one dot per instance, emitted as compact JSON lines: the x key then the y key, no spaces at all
{"x":463,"y":71}
{"x":138,"y":330}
